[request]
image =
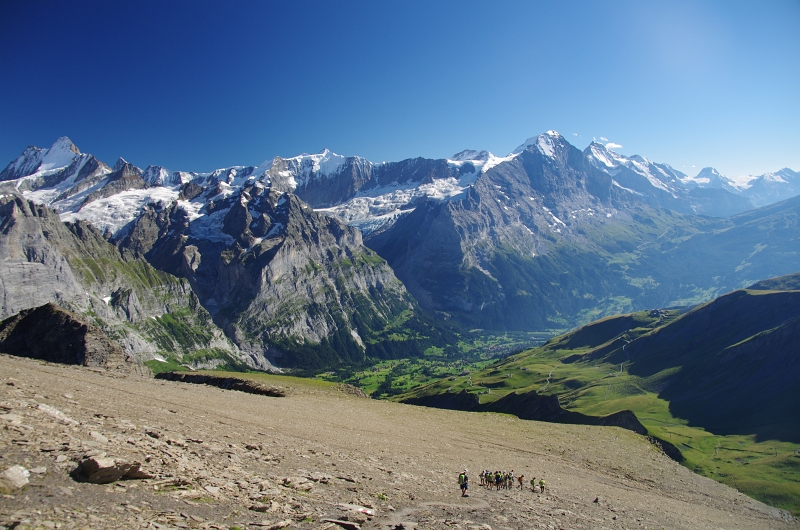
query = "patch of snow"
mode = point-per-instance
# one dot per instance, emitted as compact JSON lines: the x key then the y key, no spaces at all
{"x":114,"y":213}
{"x":496,"y":160}
{"x":556,"y":219}
{"x":257,"y":242}
{"x":59,"y":155}
{"x":742,"y":182}
{"x":774,"y":177}
{"x":208,"y":226}
{"x":275,"y":230}
{"x":620,"y":186}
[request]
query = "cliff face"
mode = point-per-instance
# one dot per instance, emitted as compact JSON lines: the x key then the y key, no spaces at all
{"x":226,"y":265}
{"x":43,"y":260}
{"x":283,"y":281}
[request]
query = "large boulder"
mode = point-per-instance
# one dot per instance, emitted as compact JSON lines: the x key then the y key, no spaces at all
{"x":54,"y":334}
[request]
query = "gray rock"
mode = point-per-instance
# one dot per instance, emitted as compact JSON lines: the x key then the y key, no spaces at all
{"x":15,"y":477}
{"x":103,"y":470}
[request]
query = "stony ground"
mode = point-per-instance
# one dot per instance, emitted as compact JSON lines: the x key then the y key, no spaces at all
{"x":225,"y":459}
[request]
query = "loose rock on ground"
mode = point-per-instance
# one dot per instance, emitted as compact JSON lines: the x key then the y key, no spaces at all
{"x":194,"y":456}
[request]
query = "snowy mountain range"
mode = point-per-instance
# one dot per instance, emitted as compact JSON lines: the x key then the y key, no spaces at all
{"x":544,"y":237}
{"x":361,"y":193}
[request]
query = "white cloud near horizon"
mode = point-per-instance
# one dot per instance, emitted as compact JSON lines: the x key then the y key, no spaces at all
{"x":604,"y":138}
{"x":612,"y":145}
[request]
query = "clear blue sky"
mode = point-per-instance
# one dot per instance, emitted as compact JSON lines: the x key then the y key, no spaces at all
{"x":196,"y":85}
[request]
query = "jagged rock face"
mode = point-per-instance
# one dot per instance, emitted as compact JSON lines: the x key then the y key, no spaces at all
{"x":44,"y":260}
{"x":546,"y":239}
{"x":127,"y":177}
{"x":32,"y":270}
{"x":61,"y":169}
{"x":53,"y":334}
{"x":283,"y":278}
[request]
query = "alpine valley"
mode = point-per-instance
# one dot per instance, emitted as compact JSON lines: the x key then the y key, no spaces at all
{"x":322,"y":260}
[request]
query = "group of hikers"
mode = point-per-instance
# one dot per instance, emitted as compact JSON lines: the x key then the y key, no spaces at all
{"x":498,"y":480}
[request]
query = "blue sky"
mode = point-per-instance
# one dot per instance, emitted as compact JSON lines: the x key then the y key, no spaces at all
{"x":195,"y":85}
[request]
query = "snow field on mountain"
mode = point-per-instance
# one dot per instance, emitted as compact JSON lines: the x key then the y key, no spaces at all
{"x":112,"y":214}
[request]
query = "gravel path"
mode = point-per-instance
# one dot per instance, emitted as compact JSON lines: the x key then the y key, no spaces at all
{"x":223,"y":459}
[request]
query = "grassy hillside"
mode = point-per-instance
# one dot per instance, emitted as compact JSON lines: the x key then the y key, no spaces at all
{"x":717,"y":382}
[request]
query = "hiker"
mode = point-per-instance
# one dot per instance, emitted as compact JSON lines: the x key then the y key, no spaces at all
{"x":541,"y":486}
{"x":483,"y":477}
{"x":498,"y":481}
{"x":463,"y":481}
{"x":520,"y":480}
{"x":533,"y":484}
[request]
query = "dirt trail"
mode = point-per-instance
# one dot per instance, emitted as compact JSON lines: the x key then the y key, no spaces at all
{"x":221,"y":458}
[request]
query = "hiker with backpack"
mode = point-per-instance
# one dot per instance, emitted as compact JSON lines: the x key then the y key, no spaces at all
{"x":463,"y":482}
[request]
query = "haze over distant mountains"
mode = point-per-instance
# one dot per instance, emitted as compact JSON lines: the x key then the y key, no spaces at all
{"x":546,"y":237}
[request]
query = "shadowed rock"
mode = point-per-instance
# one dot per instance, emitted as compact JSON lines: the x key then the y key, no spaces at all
{"x":226,"y":383}
{"x":53,"y":334}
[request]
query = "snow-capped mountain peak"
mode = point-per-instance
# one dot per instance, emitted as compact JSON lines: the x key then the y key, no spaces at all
{"x":602,"y":157}
{"x":546,"y":143}
{"x":64,"y":144}
{"x":119,"y":164}
{"x":39,"y":161}
{"x":58,"y":155}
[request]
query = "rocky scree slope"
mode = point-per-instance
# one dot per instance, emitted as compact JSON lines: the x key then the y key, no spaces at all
{"x":222,"y":459}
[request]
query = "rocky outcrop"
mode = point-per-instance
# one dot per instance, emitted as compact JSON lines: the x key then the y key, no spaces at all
{"x":54,"y":334}
{"x":226,"y":383}
{"x":625,"y":419}
{"x":125,"y":177}
{"x":449,"y":400}
{"x":527,"y":406}
{"x":103,"y":470}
